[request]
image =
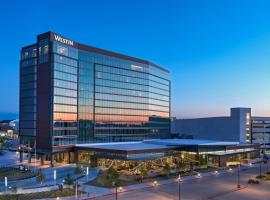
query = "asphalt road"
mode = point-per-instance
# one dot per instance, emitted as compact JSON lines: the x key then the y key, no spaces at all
{"x":218,"y":187}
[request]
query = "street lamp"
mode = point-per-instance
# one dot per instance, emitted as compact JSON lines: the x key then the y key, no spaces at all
{"x":116,"y":187}
{"x":87,"y":172}
{"x":54,"y":176}
{"x":6,"y":183}
{"x":260,"y":169}
{"x":76,"y":189}
{"x":238,"y":176}
{"x":155,"y":183}
{"x":179,"y":180}
{"x":120,"y":189}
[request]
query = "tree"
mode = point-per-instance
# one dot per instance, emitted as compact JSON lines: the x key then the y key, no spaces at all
{"x":167,"y":169}
{"x":2,"y":142}
{"x":112,"y":174}
{"x":143,"y":173}
{"x":60,"y":187}
{"x":41,"y":177}
{"x":14,"y":190}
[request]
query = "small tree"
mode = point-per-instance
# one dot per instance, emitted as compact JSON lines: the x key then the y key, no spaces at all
{"x":68,"y":180}
{"x":143,"y":173}
{"x":167,"y":169}
{"x":2,"y":143}
{"x":60,"y":187}
{"x":112,"y":174}
{"x":14,"y":190}
{"x":41,"y":177}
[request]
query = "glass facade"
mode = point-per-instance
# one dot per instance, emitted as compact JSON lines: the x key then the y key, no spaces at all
{"x":28,"y":85}
{"x":96,"y":97}
{"x":261,"y":131}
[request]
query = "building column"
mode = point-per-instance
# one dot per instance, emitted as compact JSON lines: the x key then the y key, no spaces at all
{"x":75,"y":157}
{"x":21,"y":156}
{"x":29,"y":157}
{"x":52,"y":160}
{"x":42,"y":158}
{"x":93,"y":161}
{"x":69,"y":157}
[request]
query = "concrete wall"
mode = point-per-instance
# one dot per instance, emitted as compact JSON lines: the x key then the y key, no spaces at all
{"x":231,"y":128}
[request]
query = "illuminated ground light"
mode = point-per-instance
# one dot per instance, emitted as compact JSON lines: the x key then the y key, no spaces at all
{"x":155,"y":183}
{"x":199,"y":175}
{"x":120,"y":189}
{"x":216,"y":172}
{"x":230,"y":169}
{"x":179,"y":179}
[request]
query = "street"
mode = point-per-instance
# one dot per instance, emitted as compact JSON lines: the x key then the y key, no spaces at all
{"x":218,"y":187}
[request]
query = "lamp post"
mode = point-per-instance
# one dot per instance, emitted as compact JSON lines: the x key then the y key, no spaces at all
{"x":238,"y":177}
{"x":116,"y":186}
{"x":266,"y":167}
{"x":54,"y":176}
{"x":87,"y":172}
{"x":179,"y":187}
{"x":260,"y":169}
{"x":6,"y":183}
{"x":76,"y":189}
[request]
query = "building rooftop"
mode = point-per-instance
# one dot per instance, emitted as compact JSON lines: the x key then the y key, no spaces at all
{"x":155,"y":145}
{"x":125,"y":147}
{"x":184,"y":142}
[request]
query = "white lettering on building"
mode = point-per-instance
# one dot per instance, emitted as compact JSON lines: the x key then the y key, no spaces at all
{"x":63,"y":40}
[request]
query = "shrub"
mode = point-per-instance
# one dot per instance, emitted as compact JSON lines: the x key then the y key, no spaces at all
{"x":68,"y":180}
{"x":252,"y":181}
{"x":260,"y":177}
{"x":14,"y":189}
{"x":60,"y":187}
{"x":41,"y":177}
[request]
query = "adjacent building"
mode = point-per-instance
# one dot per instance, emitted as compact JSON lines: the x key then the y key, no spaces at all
{"x":240,"y":126}
{"x":235,"y":127}
{"x":260,"y":131}
{"x":72,"y":93}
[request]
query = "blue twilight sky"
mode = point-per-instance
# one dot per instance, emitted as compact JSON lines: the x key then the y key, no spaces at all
{"x":218,"y":51}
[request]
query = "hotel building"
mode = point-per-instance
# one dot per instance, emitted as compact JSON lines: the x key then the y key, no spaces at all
{"x":71,"y":93}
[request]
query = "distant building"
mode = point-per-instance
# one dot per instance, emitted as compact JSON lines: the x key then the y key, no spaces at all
{"x":260,"y":131}
{"x":235,"y":127}
{"x":240,"y":126}
{"x":14,"y":124}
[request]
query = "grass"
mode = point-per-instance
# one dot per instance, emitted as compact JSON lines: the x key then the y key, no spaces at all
{"x":264,"y":177}
{"x":15,"y":174}
{"x":40,"y":195}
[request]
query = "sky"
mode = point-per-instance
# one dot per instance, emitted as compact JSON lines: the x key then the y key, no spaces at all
{"x":218,"y":52}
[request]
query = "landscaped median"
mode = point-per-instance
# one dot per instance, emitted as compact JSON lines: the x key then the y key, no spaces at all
{"x":13,"y":174}
{"x":41,"y":195}
{"x":106,"y":178}
{"x":264,"y":177}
